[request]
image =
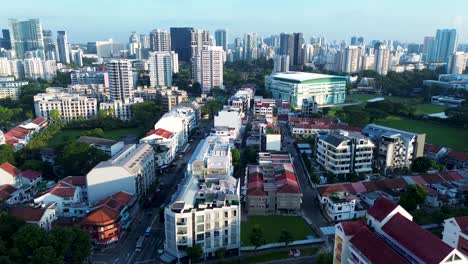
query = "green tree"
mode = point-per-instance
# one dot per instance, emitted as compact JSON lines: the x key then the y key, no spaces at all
{"x":236,"y":158}
{"x":27,"y":239}
{"x":146,"y":114}
{"x":45,"y":255}
{"x":55,"y":115}
{"x":285,"y":237}
{"x":33,"y":164}
{"x":256,"y":236}
{"x":415,"y":195}
{"x":195,"y":252}
{"x":97,"y":132}
{"x":79,"y":158}
{"x":7,"y":154}
{"x":80,"y":247}
{"x":325,"y":258}
{"x":250,"y":154}
{"x":421,"y":165}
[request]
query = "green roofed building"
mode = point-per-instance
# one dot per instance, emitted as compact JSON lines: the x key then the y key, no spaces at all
{"x":296,"y":86}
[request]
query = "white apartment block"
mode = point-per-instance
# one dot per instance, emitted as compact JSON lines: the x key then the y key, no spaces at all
{"x":70,"y":105}
{"x":165,"y":146}
{"x":131,"y":170}
{"x":122,"y":109}
{"x":208,"y":67}
{"x":160,"y":40}
{"x":35,"y":68}
{"x":350,"y":60}
{"x":341,"y":205}
{"x":457,"y":63}
{"x":160,"y":68}
{"x":10,"y":88}
{"x":395,"y":149}
{"x":206,"y":208}
{"x":120,"y":79}
{"x":342,"y":152}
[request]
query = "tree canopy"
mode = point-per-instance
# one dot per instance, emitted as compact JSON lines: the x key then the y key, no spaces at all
{"x":421,"y":165}
{"x":79,"y":158}
{"x":256,"y":236}
{"x":415,"y":195}
{"x":146,"y":114}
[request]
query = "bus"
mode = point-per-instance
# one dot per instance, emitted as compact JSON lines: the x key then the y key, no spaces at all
{"x":139,"y":244}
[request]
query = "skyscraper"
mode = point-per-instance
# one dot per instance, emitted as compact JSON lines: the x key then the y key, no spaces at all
{"x":120,"y":80}
{"x":291,"y":44}
{"x":207,"y":67}
{"x":49,"y":45}
{"x":78,"y":57}
{"x":457,"y":63}
{"x":25,"y":36}
{"x":181,"y":42}
{"x":281,"y":63}
{"x":382,"y":58}
{"x":298,"y":40}
{"x":5,"y":40}
{"x":286,"y":45}
{"x":350,"y":60}
{"x":63,"y":47}
{"x":199,"y":39}
{"x":134,"y":46}
{"x":221,"y":36}
{"x":446,"y":44}
{"x":250,"y":46}
{"x":160,"y":68}
{"x":160,"y":40}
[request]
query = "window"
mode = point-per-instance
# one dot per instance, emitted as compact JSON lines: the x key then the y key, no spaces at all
{"x":200,"y":237}
{"x":225,"y":214}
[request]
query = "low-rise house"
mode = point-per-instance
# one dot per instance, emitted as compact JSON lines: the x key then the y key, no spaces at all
{"x":67,"y":198}
{"x":20,"y":135}
{"x":9,"y":174}
{"x":455,"y":233}
{"x":78,"y":181}
{"x":44,"y":217}
{"x":108,"y":219}
{"x":434,"y":152}
{"x":389,"y":235}
{"x":456,"y":160}
{"x":264,"y":107}
{"x":165,"y":146}
{"x":341,"y":205}
{"x":108,"y":146}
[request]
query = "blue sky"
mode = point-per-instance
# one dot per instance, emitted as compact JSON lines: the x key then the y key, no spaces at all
{"x":405,"y":20}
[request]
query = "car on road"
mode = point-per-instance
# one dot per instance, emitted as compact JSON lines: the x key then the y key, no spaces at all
{"x":139,"y":244}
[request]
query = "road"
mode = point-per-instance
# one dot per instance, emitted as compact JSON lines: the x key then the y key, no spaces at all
{"x":310,"y":204}
{"x":123,"y":252}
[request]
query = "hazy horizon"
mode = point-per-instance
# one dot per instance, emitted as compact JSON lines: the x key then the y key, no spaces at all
{"x":405,"y":21}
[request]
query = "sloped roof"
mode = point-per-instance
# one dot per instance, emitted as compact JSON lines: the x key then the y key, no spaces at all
{"x":5,"y":191}
{"x":416,"y":239}
{"x":75,"y":180}
{"x":10,"y":169}
{"x":160,"y":132}
{"x":376,"y":250}
{"x":431,"y":148}
{"x":28,"y":214}
{"x":63,"y":190}
{"x":31,"y":174}
{"x":39,"y":121}
{"x":458,"y":155}
{"x":381,"y":208}
{"x":101,"y":216}
{"x":462,"y":222}
{"x":326,"y":190}
{"x":352,"y":227}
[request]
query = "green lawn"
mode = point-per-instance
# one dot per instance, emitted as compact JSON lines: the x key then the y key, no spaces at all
{"x":436,"y":133}
{"x":68,"y":135}
{"x":422,"y":109}
{"x":278,"y":254}
{"x":272,"y":226}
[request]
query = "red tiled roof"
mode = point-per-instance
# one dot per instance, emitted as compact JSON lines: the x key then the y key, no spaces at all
{"x":75,"y":180}
{"x":431,"y":148}
{"x":458,"y":155}
{"x":63,"y":190}
{"x":31,"y":174}
{"x":327,"y":190}
{"x":352,"y":227}
{"x":419,"y":179}
{"x":5,"y":191}
{"x":431,"y":178}
{"x":255,"y":182}
{"x":451,"y":176}
{"x":374,"y":249}
{"x":312,"y":120}
{"x":160,"y":132}
{"x":359,"y":187}
{"x":462,"y":222}
{"x":381,"y":208}
{"x":417,"y":240}
{"x":101,"y":216}
{"x":28,"y":214}
{"x":286,"y":180}
{"x":10,"y":169}
{"x":39,"y":121}
{"x":116,"y":202}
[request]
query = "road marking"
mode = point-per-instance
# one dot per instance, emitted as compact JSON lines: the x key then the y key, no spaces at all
{"x":115,"y":261}
{"x":131,"y":257}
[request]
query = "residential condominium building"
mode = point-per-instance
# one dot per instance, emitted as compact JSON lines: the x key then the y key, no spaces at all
{"x":34,"y":68}
{"x":11,"y":88}
{"x":161,"y":68}
{"x":160,"y":40}
{"x":170,"y":97}
{"x":395,"y":149}
{"x":206,"y":208}
{"x":272,"y":185}
{"x":25,"y":36}
{"x":457,"y":63}
{"x":208,"y":68}
{"x":221,"y":36}
{"x":89,"y":77}
{"x":296,"y":86}
{"x":389,"y":235}
{"x":70,"y":106}
{"x":131,"y":170}
{"x":343,"y":152}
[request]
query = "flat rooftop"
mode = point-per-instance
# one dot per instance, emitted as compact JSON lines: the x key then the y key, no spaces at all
{"x":303,"y":76}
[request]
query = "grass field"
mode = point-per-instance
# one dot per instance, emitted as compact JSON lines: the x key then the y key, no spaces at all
{"x":278,"y":254}
{"x":67,"y":135}
{"x":272,"y":226}
{"x":436,"y":133}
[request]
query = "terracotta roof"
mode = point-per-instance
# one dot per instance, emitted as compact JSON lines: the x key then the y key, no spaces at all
{"x":75,"y":180}
{"x":326,"y":190}
{"x":10,"y":169}
{"x":286,"y":180}
{"x":39,"y":121}
{"x":31,"y":174}
{"x":417,"y":240}
{"x":432,"y":148}
{"x":255,"y":182}
{"x":352,"y":227}
{"x":28,"y":214}
{"x":381,"y":208}
{"x":63,"y":190}
{"x":431,"y":178}
{"x":458,"y":155}
{"x":6,"y":190}
{"x":101,"y":216}
{"x":160,"y":132}
{"x":116,"y":202}
{"x":462,"y":222}
{"x":374,"y":249}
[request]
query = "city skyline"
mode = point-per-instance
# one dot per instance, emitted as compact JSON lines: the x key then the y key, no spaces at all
{"x":262,"y":17}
